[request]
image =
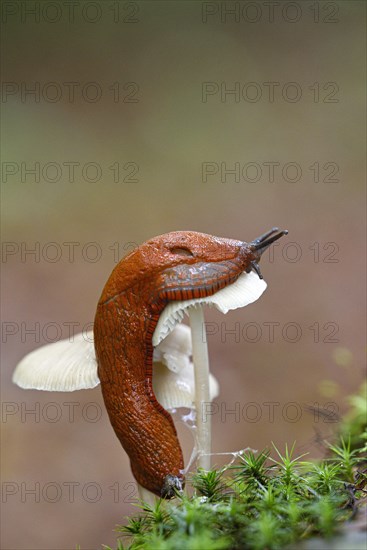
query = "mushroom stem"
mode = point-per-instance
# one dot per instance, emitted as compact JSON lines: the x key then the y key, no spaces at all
{"x":201,"y":370}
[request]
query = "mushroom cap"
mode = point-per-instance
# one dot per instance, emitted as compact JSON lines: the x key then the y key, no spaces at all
{"x":175,"y":350}
{"x":66,"y":365}
{"x":174,"y":390}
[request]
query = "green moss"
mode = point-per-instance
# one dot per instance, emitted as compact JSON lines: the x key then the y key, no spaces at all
{"x":261,"y":502}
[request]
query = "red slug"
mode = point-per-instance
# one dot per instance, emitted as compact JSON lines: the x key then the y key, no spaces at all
{"x":181,"y":265}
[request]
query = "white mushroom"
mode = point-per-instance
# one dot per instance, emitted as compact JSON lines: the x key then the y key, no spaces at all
{"x":67,"y":366}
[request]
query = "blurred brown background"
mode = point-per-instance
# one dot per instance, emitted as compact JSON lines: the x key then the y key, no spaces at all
{"x":300,"y":69}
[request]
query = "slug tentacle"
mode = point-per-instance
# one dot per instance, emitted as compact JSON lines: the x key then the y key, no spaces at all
{"x":264,"y":242}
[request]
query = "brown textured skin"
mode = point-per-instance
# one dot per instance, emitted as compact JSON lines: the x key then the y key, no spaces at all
{"x":133,"y":298}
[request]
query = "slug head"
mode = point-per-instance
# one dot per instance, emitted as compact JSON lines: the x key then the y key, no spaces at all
{"x":159,"y":256}
{"x":190,"y":247}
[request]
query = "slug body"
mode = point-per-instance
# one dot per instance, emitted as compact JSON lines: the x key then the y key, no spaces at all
{"x":181,"y":265}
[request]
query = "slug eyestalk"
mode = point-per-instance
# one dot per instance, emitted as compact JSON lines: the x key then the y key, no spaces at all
{"x":261,"y":244}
